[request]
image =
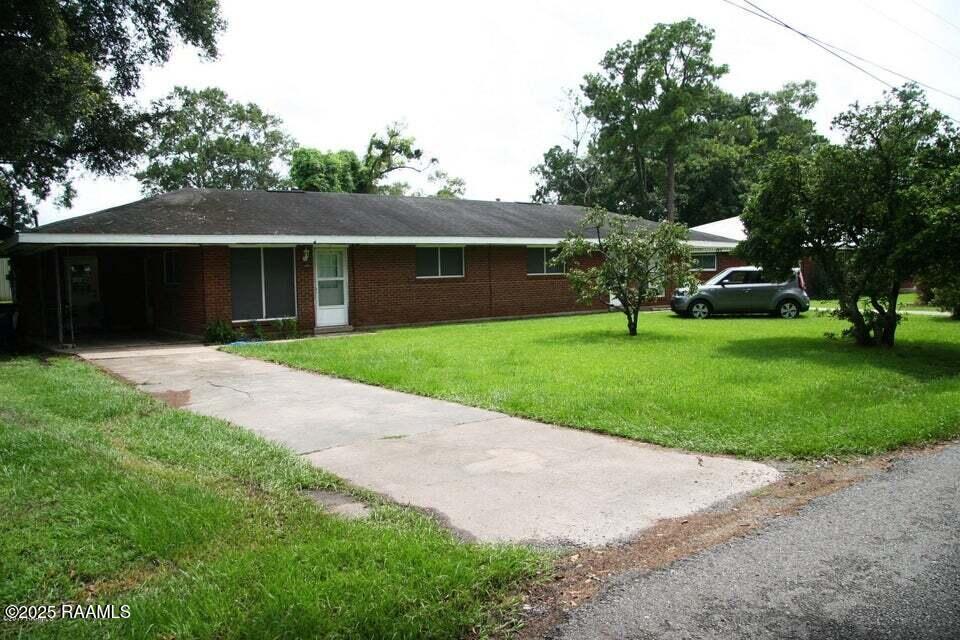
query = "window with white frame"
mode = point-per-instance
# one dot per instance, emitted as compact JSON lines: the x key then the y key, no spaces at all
{"x":262,"y":283}
{"x":539,"y":261}
{"x":440,"y":262}
{"x":704,"y":262}
{"x":171,"y":268}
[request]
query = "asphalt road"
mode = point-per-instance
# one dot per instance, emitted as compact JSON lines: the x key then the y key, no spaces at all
{"x":880,"y":559}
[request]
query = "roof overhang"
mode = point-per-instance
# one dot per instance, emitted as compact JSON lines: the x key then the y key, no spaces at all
{"x":146,"y":240}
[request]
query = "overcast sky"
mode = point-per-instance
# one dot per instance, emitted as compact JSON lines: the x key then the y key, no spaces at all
{"x":479,"y":86}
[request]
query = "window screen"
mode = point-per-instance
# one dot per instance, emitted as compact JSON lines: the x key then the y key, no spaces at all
{"x":451,"y":261}
{"x":262,"y":283}
{"x":550,"y":254}
{"x":705,"y":262}
{"x":246,"y":287}
{"x":433,"y":262}
{"x":538,"y":261}
{"x":535,"y":260}
{"x":278,"y":286}
{"x":428,"y":266}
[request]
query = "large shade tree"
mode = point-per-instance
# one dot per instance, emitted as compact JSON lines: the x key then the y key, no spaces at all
{"x":725,"y":154}
{"x":202,"y":139}
{"x":650,"y":96}
{"x":872,"y":212}
{"x":68,"y":71}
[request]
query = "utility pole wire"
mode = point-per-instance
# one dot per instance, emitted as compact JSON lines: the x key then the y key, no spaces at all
{"x":936,"y":15}
{"x":911,"y":30}
{"x":837,"y":51}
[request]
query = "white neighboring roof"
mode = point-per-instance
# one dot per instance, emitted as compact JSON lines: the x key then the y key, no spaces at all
{"x":727,"y":228}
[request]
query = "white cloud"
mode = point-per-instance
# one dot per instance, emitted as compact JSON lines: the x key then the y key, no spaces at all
{"x":479,"y":84}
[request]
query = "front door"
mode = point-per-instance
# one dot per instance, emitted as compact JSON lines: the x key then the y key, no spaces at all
{"x":329,"y":267}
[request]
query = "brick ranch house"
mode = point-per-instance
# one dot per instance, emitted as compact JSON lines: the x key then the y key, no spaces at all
{"x":180,"y":261}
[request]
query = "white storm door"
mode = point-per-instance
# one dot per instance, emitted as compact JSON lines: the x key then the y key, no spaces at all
{"x":329,"y":268}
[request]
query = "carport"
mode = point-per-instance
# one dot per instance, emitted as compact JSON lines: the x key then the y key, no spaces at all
{"x":89,"y":295}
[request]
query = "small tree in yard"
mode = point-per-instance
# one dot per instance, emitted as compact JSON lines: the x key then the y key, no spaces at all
{"x":635,"y":263}
{"x":873,"y":212}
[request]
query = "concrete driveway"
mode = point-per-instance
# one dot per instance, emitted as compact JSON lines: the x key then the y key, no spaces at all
{"x":490,"y":476}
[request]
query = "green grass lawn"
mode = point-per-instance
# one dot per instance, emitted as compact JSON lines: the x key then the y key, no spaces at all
{"x":906,"y":301}
{"x":757,"y":387}
{"x":108,"y":496}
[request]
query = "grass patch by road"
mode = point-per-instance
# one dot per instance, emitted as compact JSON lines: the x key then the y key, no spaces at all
{"x":757,"y":387}
{"x":108,"y":496}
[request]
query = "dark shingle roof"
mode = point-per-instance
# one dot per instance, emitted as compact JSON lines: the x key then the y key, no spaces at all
{"x":294,"y":213}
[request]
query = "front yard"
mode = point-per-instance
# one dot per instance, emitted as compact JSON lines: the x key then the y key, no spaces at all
{"x":110,"y":497}
{"x":757,"y":387}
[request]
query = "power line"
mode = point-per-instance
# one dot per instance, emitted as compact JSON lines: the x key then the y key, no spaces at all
{"x":760,"y":13}
{"x":936,"y":15}
{"x":835,"y":50}
{"x":906,"y":28}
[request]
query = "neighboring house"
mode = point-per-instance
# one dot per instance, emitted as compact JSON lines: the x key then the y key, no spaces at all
{"x":727,"y":228}
{"x":183,"y":260}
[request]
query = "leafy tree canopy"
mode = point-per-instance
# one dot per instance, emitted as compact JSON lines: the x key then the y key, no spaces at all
{"x":203,"y":139}
{"x":387,"y":153}
{"x":632,"y":263}
{"x":68,"y":69}
{"x":615,"y":156}
{"x":651,"y":94}
{"x":878,"y":209}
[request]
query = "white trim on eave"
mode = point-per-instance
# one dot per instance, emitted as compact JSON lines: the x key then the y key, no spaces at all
{"x":174,"y":239}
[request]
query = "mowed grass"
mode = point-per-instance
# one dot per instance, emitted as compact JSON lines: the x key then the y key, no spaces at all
{"x":108,"y":496}
{"x":758,"y":387}
{"x":905,"y":302}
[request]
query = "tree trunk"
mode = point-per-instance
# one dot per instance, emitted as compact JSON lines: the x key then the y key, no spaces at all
{"x":671,"y":184}
{"x":12,"y":211}
{"x":956,"y":313}
{"x":888,"y":319}
{"x":631,"y":320}
{"x":860,"y":330}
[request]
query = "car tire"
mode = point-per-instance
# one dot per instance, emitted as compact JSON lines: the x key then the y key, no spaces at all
{"x":788,"y":309}
{"x":700,"y":310}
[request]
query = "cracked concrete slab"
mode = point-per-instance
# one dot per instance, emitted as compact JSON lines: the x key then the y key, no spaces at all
{"x":491,"y":476}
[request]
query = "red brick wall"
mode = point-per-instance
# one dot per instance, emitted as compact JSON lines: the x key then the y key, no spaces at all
{"x":306,"y":310}
{"x":180,"y":307}
{"x":384,"y":288}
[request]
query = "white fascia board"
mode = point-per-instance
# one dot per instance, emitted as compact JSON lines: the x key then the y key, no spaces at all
{"x":147,"y":239}
{"x":700,"y":246}
{"x":239,"y":240}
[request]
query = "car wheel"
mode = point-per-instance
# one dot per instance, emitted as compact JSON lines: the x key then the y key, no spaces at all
{"x":700,"y":310}
{"x":788,"y":309}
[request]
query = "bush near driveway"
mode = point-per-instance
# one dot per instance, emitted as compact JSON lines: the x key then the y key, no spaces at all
{"x":108,"y":496}
{"x":759,"y":387}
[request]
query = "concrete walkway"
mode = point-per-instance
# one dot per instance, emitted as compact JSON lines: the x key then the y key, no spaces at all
{"x":490,"y":476}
